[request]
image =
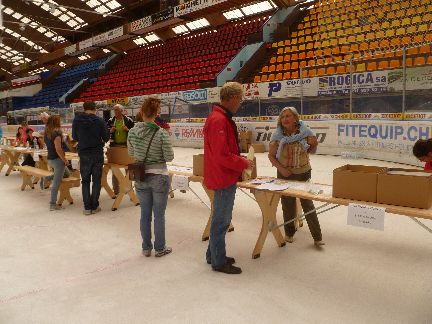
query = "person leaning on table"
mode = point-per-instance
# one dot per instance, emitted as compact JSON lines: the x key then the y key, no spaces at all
{"x":153,"y":191}
{"x":422,"y":150}
{"x":289,"y":149}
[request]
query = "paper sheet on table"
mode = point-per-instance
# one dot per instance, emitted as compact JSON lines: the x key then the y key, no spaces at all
{"x":174,"y":168}
{"x":260,"y":181}
{"x":276,"y":186}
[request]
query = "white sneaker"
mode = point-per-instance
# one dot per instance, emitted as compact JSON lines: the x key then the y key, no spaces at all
{"x":97,"y":210}
{"x":87,"y":212}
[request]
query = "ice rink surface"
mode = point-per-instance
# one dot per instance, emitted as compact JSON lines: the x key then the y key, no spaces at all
{"x":64,"y":267}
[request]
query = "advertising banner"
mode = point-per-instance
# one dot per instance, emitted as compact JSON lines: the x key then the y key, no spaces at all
{"x":194,"y":5}
{"x":416,"y":79}
{"x":162,"y":16}
{"x":21,"y":81}
{"x":70,"y":49}
{"x":198,"y":95}
{"x":213,"y":94}
{"x":101,"y":38}
{"x":122,"y":101}
{"x":114,"y":33}
{"x":251,"y":91}
{"x":289,"y":88}
{"x":362,"y":83}
{"x":141,"y":23}
{"x":86,"y":43}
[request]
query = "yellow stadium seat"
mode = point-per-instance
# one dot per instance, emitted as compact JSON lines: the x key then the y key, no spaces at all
{"x":287,"y":42}
{"x":312,"y":72}
{"x":304,"y":73}
{"x":383,"y":65}
{"x":428,"y":37}
{"x":416,"y":20}
{"x":422,"y":28}
{"x":372,"y":66}
{"x":412,"y":51}
{"x":331,"y":70}
{"x":411,"y":29}
{"x":302,"y":64}
{"x":429,"y":60}
{"x":265,"y":69}
{"x":271,"y":77}
{"x":286,"y":75}
{"x":287,"y":58}
{"x":264,"y":78}
{"x":379,"y":34}
{"x":294,"y":75}
{"x":279,"y":67}
{"x":281,"y":44}
{"x":364,"y":46}
{"x":385,"y":25}
{"x":272,"y":68}
{"x":280,"y":50}
{"x":390,"y":33}
{"x":294,"y":57}
{"x":394,"y":64}
{"x":425,"y":49}
{"x":360,"y":67}
{"x":287,"y":66}
{"x":406,"y":21}
{"x":274,"y":45}
{"x":360,"y":38}
{"x":280,"y":59}
{"x":409,"y":62}
{"x":273,"y":60}
{"x":294,"y":66}
{"x":321,"y":71}
{"x":340,"y":69}
{"x":257,"y":79}
{"x":400,"y":31}
{"x":278,"y":77}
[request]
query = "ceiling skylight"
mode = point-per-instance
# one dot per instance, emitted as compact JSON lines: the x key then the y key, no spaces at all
{"x":250,"y":10}
{"x":104,"y":7}
{"x":35,"y":25}
{"x":193,"y":25}
{"x":139,"y":41}
{"x":61,"y":13}
{"x":152,"y":37}
{"x":23,"y":39}
{"x":83,"y":57}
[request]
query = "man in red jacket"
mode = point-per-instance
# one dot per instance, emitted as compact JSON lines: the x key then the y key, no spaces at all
{"x":223,"y":167}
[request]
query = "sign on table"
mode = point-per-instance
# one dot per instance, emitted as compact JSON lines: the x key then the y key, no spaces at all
{"x":180,"y":182}
{"x":366,"y":216}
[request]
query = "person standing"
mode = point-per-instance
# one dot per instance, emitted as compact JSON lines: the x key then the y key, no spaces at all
{"x":223,"y":167}
{"x":119,"y":126}
{"x":289,"y":149}
{"x":91,"y":133}
{"x":56,"y":158}
{"x":150,"y":145}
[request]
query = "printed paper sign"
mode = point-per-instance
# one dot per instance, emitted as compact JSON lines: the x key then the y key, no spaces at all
{"x":180,"y":182}
{"x":366,"y":216}
{"x":75,"y":164}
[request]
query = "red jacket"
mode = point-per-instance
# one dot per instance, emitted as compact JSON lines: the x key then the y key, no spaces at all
{"x":428,"y":166}
{"x":223,"y":164}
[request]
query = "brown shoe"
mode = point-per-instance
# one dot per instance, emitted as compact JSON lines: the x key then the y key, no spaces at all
{"x":229,"y":269}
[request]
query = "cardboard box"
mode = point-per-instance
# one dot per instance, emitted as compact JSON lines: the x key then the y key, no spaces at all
{"x":198,"y":165}
{"x":357,"y":182}
{"x":258,"y":148}
{"x":405,"y":189}
{"x":247,"y":136}
{"x":119,"y":155}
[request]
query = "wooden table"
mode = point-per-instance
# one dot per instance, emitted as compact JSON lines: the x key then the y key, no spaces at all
{"x":269,"y":200}
{"x":125,"y":185}
{"x":10,"y":156}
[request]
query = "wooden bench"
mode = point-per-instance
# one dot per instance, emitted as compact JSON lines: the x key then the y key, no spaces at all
{"x":27,"y":172}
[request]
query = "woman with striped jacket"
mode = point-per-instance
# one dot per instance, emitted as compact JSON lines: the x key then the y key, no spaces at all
{"x":145,"y":136}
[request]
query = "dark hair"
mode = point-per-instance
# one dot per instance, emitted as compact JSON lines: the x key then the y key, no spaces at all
{"x":422,"y":148}
{"x":52,"y":125}
{"x":89,"y":105}
{"x":29,"y":130}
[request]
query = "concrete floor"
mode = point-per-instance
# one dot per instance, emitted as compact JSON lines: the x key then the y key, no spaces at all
{"x":63,"y":267}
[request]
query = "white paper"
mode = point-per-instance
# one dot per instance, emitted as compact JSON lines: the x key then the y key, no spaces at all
{"x":174,"y":168}
{"x":180,"y":182}
{"x":258,"y":181}
{"x":75,"y":164}
{"x":276,"y":186}
{"x":366,"y":216}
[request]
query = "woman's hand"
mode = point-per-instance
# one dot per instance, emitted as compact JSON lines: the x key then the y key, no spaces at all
{"x":286,"y":172}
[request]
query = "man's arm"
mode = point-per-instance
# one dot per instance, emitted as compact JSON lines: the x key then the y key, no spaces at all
{"x":105,"y":133}
{"x":75,"y":131}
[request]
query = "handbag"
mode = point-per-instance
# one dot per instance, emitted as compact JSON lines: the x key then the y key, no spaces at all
{"x":137,"y":170}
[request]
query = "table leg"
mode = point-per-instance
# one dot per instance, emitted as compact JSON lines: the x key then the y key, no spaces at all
{"x":125,"y":187}
{"x":104,"y":181}
{"x":206,"y":233}
{"x":268,"y":203}
{"x":13,"y":159}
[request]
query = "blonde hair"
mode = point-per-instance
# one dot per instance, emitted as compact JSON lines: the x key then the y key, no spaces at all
{"x":293,"y":111}
{"x":150,"y":107}
{"x":230,"y":90}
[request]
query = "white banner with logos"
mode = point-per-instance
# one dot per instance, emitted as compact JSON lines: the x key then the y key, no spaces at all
{"x":29,"y":79}
{"x":196,"y":96}
{"x":114,"y":33}
{"x":251,"y":91}
{"x":417,"y":78}
{"x":70,"y":49}
{"x":362,"y":83}
{"x":101,"y":38}
{"x":194,"y":5}
{"x":86,"y":43}
{"x":140,"y":23}
{"x":289,"y":88}
{"x":382,"y":140}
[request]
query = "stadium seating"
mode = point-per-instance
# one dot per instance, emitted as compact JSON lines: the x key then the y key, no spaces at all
{"x":371,"y":33}
{"x":178,"y":64}
{"x":49,"y":96}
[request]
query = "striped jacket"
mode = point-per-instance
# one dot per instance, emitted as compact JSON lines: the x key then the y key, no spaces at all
{"x":138,"y":140}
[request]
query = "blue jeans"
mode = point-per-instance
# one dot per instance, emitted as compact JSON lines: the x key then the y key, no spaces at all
{"x":91,"y":171}
{"x":60,"y":171}
{"x":222,"y":214}
{"x":153,"y":196}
